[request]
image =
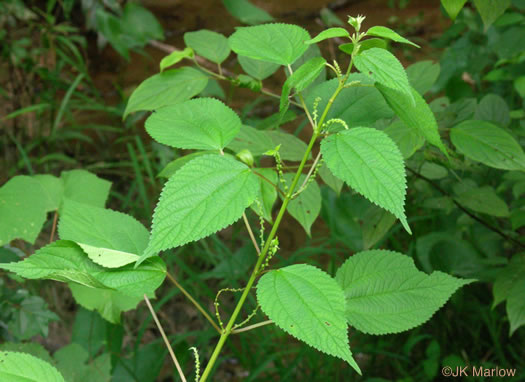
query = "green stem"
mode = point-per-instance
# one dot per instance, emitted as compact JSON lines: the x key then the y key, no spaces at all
{"x":228,"y":330}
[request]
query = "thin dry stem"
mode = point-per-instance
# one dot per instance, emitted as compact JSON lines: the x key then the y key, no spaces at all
{"x":170,"y":350}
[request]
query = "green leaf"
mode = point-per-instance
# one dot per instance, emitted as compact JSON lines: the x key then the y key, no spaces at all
{"x":175,"y":57}
{"x":453,"y":7}
{"x":75,"y":364}
{"x":329,"y":18}
{"x":208,"y":44}
{"x":201,"y":123}
{"x":486,"y":143}
{"x":257,"y":69}
{"x":256,"y":141}
{"x":206,"y":195}
{"x":31,"y":317}
{"x":484,"y":200}
{"x":516,"y":307}
{"x":84,"y":187}
{"x":20,"y":367}
{"x":141,"y":24}
{"x":519,"y":85}
{"x":246,"y":12}
{"x":493,"y":108}
{"x":509,"y":286}
{"x":109,"y":238}
{"x":277,"y":43}
{"x":356,"y":105}
{"x":175,"y":165}
{"x":376,"y":223}
{"x":329,"y":33}
{"x":384,"y":68}
{"x":53,"y":188}
{"x":330,"y":180}
{"x":370,"y":43}
{"x":384,"y":32}
{"x":61,"y":261}
{"x":308,"y":304}
{"x":305,"y":208}
{"x":369,"y":162}
{"x":23,"y":207}
{"x":267,"y":192}
{"x":407,"y":139}
{"x":31,"y":348}
{"x":292,"y":148}
{"x":423,"y":75}
{"x":385,"y":293}
{"x":491,"y":10}
{"x":301,"y":79}
{"x":417,"y":116}
{"x":167,"y":88}
{"x":110,"y":304}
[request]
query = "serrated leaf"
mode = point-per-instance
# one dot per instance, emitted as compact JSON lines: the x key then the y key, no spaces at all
{"x":423,"y":75}
{"x":492,"y":108}
{"x":32,"y":348}
{"x":370,"y":43}
{"x":246,"y":12}
{"x":84,"y":187}
{"x":330,"y":180}
{"x":386,"y":293}
{"x":484,"y":200}
{"x":256,"y":68}
{"x":175,"y":57}
{"x":407,"y":139}
{"x":23,"y":207}
{"x":20,"y":367}
{"x":167,"y":88}
{"x":357,"y":105}
{"x":208,"y":44}
{"x":484,"y":142}
{"x":491,"y":10}
{"x":329,"y":33}
{"x":369,"y":162}
{"x":206,"y":195}
{"x":516,"y":307}
{"x":417,"y":116}
{"x":201,"y":124}
{"x":300,"y":80}
{"x":384,"y":68}
{"x":453,"y":7}
{"x":305,"y":208}
{"x":267,"y":192}
{"x":277,"y":43}
{"x":308,"y":304}
{"x":61,"y":261}
{"x":53,"y":189}
{"x":109,"y":238}
{"x":384,"y":32}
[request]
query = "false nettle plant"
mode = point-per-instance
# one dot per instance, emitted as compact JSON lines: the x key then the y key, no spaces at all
{"x":111,"y":262}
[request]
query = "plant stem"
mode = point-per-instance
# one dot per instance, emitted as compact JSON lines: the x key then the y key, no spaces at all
{"x":228,"y":330}
{"x":170,"y":350}
{"x":250,"y":232}
{"x":193,"y":301}
{"x":254,"y":326}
